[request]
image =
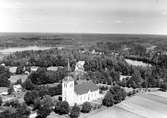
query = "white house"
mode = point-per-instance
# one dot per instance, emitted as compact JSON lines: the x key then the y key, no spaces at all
{"x":17,"y":88}
{"x":34,"y":68}
{"x":12,"y":69}
{"x":122,"y":77}
{"x":2,"y":64}
{"x":3,"y":91}
{"x":79,"y":66}
{"x":80,"y":93}
{"x":15,"y":78}
{"x":52,"y":68}
{"x":33,"y":115}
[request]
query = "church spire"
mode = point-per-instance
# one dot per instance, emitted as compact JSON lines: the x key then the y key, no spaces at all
{"x":68,"y":66}
{"x":68,"y":70}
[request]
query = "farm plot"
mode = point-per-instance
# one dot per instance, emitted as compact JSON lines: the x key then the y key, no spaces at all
{"x":149,"y":105}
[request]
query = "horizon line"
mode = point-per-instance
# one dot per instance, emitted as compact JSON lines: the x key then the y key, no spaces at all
{"x":85,"y":33}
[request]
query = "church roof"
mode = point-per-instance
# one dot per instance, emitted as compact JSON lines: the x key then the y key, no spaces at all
{"x":85,"y":87}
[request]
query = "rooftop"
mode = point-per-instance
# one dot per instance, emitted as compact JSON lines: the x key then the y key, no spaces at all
{"x":85,"y":87}
{"x":14,"y":78}
{"x":3,"y":89}
{"x":12,"y":69}
{"x":52,"y":68}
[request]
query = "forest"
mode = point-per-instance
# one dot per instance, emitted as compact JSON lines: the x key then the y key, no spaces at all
{"x":104,"y":68}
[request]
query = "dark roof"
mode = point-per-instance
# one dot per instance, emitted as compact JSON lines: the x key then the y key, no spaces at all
{"x":85,"y":87}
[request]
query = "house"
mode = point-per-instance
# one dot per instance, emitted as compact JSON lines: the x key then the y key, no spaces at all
{"x":3,"y":91}
{"x":34,"y":68}
{"x":33,"y":115}
{"x":2,"y":64}
{"x":122,"y":77}
{"x":60,"y":47}
{"x":17,"y":88}
{"x":79,"y":66}
{"x":14,"y":78}
{"x":27,"y":73}
{"x":12,"y":69}
{"x":52,"y":68}
{"x":80,"y":93}
{"x":79,"y":70}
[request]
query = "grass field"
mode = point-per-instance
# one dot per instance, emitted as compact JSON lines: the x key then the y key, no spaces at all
{"x":150,"y":105}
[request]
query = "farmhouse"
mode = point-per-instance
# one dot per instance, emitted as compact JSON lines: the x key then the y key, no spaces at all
{"x":17,"y":88}
{"x":80,"y":66}
{"x":80,"y":93}
{"x":54,"y":68}
{"x":34,"y":68}
{"x":122,"y":77}
{"x":12,"y":69}
{"x":3,"y":91}
{"x":14,"y":78}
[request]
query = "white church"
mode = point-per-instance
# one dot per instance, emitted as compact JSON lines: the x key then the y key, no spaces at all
{"x":80,"y":93}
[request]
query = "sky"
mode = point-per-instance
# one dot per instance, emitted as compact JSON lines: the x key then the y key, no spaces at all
{"x":84,"y":16}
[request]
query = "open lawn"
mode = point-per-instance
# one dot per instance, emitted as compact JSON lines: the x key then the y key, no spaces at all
{"x":148,"y":105}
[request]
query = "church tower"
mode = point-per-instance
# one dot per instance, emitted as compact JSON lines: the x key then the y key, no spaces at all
{"x":68,"y":88}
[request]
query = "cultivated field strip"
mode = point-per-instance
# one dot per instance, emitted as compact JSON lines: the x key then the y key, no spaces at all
{"x":150,"y":105}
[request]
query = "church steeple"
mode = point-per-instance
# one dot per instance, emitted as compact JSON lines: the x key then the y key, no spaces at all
{"x":68,"y":66}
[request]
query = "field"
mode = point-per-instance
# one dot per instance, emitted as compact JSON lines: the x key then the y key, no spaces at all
{"x":137,"y":63}
{"x":77,"y":40}
{"x":150,"y":105}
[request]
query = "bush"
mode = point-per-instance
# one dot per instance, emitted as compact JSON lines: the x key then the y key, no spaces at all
{"x":114,"y":96}
{"x":134,"y":92}
{"x":103,"y":88}
{"x":108,"y":100}
{"x":43,"y":90}
{"x":96,"y":106}
{"x":1,"y":101}
{"x":30,"y":96}
{"x":4,"y":77}
{"x":6,"y":114}
{"x":21,"y":111}
{"x":47,"y":101}
{"x":20,"y":70}
{"x":75,"y":112}
{"x":118,"y":94}
{"x":43,"y":111}
{"x":37,"y":103}
{"x":163,"y":87}
{"x":13,"y":103}
{"x":10,"y":90}
{"x":86,"y":107}
{"x":28,"y":85}
{"x":129,"y":93}
{"x":62,"y":107}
